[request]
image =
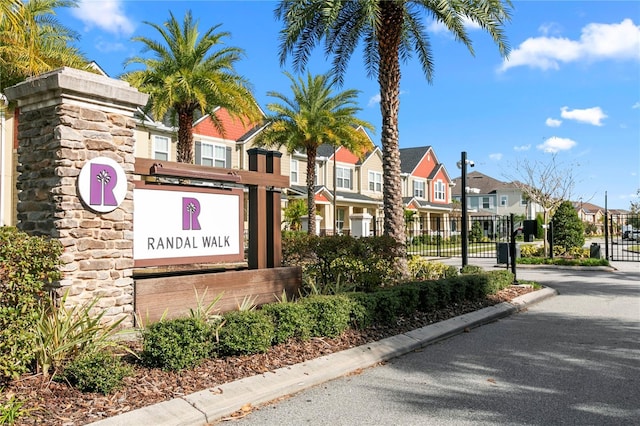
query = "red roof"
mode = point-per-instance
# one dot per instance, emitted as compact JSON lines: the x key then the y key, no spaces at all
{"x":233,"y":127}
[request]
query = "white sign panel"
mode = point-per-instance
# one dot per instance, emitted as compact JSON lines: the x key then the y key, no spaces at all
{"x":171,"y":224}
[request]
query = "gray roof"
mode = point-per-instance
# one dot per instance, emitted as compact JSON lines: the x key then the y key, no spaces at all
{"x":325,"y":150}
{"x":253,"y":131}
{"x":486,"y":184}
{"x":410,"y":157}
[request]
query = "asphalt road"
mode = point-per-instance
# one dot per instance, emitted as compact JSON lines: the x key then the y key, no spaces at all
{"x":571,"y":360}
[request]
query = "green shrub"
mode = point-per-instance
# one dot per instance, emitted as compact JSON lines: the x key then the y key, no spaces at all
{"x":530,"y":250}
{"x":363,"y":309}
{"x":476,"y":234}
{"x":246,"y":332}
{"x":568,"y":229}
{"x":27,"y":266}
{"x":289,"y":320}
{"x":387,"y":307}
{"x":64,"y":333}
{"x":341,"y":263}
{"x":408,"y":298}
{"x":428,"y":296}
{"x":100,"y":372}
{"x":471,"y":269}
{"x":423,"y":269}
{"x":177,"y":344}
{"x":330,"y":315}
{"x":498,"y":280}
{"x":562,"y":261}
{"x":579,"y":252}
{"x":559,"y":250}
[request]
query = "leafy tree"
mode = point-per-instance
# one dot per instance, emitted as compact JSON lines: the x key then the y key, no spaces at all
{"x":547,"y":184}
{"x":634,"y":207}
{"x":476,"y":233}
{"x":568,"y":229}
{"x":539,"y":227}
{"x":187,"y":75}
{"x":312,"y":117}
{"x":391,"y":30}
{"x":296,"y":208}
{"x":32,"y":41}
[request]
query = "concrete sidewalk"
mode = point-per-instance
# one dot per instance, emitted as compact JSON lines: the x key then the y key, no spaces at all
{"x":213,"y":404}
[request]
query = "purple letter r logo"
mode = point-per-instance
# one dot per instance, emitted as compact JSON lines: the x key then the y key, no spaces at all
{"x":103,"y":181}
{"x":190,"y":213}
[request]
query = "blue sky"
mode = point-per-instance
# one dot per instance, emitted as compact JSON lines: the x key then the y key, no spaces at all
{"x":571,"y":86}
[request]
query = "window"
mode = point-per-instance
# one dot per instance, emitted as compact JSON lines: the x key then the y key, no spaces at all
{"x":504,"y":200}
{"x":418,"y":188}
{"x":161,"y":145}
{"x":439,"y":191}
{"x":343,"y":177}
{"x":375,"y":181}
{"x":213,"y":155}
{"x":486,"y":203}
{"x":523,"y":200}
{"x":294,"y":171}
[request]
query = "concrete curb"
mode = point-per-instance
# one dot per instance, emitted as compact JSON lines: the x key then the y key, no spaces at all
{"x":214,"y":404}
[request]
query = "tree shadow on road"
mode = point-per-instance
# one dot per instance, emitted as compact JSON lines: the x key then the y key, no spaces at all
{"x":527,"y":369}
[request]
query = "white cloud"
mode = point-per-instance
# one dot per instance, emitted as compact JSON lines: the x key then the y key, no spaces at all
{"x":552,"y":122}
{"x":592,"y":116}
{"x":522,"y":148}
{"x":106,"y":15}
{"x":374,"y":100}
{"x":107,"y":46}
{"x":555,"y":144}
{"x":549,"y":28}
{"x":437,"y":27}
{"x":597,"y":42}
{"x":636,"y":105}
{"x":496,"y":157}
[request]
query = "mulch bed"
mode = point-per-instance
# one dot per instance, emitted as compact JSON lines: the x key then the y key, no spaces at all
{"x":55,"y":403}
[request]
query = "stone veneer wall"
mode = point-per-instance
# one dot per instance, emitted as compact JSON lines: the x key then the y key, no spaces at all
{"x":68,"y":117}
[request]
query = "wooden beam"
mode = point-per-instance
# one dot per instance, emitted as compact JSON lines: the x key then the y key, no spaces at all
{"x":143,"y":167}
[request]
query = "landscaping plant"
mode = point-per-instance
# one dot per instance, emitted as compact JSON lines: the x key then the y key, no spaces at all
{"x":64,"y":333}
{"x":568,"y":229}
{"x":27,"y":265}
{"x":246,"y":332}
{"x":101,"y":372}
{"x":290,"y":320}
{"x":178,"y":343}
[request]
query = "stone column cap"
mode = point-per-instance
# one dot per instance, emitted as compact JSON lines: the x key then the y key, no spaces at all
{"x":76,"y":87}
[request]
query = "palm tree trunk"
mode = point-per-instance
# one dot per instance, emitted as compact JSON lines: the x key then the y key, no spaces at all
{"x":311,"y":199}
{"x":185,"y":136}
{"x":389,"y":35}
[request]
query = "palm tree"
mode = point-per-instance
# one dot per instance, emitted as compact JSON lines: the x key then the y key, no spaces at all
{"x":186,"y":75}
{"x":390,"y":30}
{"x":312,"y":117}
{"x":33,"y":41}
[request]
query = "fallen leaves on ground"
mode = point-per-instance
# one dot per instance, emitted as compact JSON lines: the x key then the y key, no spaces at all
{"x":55,"y":403}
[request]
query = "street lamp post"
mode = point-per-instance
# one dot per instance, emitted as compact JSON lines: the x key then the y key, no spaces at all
{"x":464,"y":228}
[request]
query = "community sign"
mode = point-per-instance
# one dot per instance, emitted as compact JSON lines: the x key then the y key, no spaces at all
{"x":173,"y":226}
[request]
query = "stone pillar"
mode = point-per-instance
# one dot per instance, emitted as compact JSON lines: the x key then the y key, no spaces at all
{"x":68,"y":117}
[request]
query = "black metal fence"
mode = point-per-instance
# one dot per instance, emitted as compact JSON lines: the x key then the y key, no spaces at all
{"x":437,"y":237}
{"x":622,"y":237}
